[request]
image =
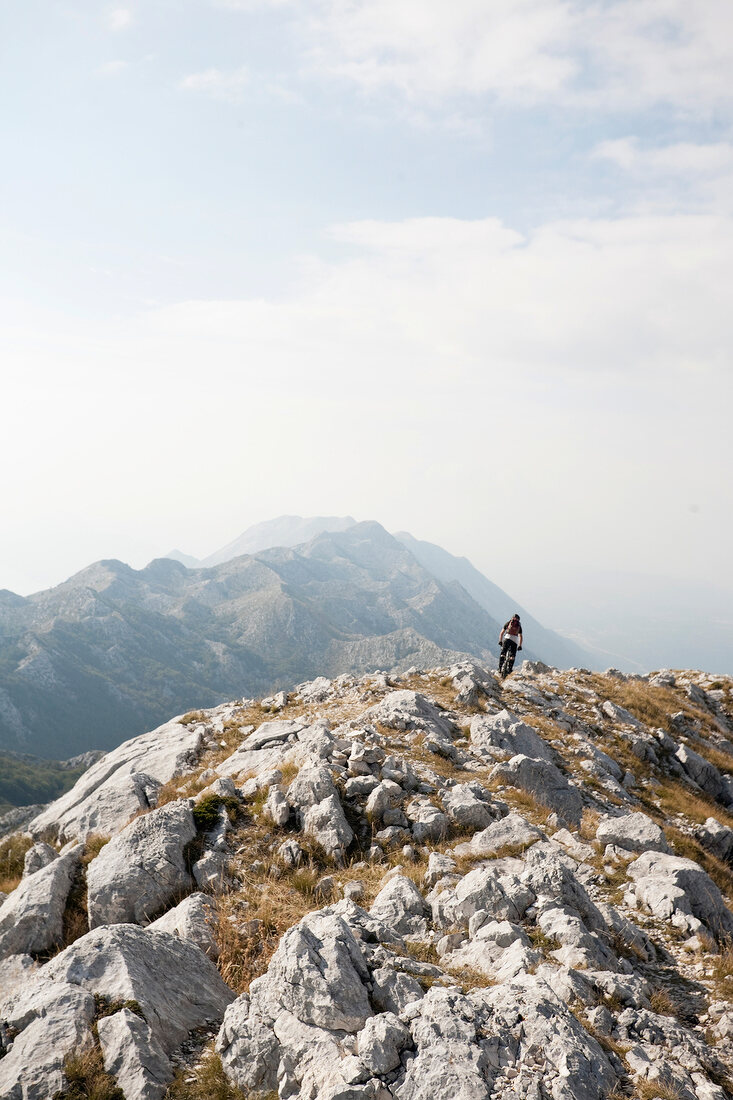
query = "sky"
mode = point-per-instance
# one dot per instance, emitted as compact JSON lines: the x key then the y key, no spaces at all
{"x":465,"y":268}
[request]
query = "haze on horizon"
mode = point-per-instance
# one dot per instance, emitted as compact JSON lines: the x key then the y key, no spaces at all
{"x":465,"y":270}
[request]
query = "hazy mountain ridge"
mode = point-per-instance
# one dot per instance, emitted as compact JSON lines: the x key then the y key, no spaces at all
{"x":112,"y":649}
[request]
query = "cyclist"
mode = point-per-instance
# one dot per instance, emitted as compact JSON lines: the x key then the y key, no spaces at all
{"x":510,"y":640}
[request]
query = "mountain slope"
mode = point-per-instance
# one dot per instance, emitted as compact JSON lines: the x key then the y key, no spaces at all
{"x":85,"y":664}
{"x":445,"y":886}
{"x":283,"y":531}
{"x":552,"y":647}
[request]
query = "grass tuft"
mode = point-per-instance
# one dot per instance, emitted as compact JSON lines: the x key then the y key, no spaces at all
{"x":12,"y":857}
{"x":86,"y":1078}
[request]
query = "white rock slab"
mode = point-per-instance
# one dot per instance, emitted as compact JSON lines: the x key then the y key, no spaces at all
{"x":124,"y":781}
{"x":142,"y":868}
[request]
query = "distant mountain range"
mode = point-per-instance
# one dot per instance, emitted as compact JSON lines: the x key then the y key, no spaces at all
{"x":114,"y":650}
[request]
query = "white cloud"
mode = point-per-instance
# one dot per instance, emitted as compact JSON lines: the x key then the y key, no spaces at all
{"x":685,"y":159}
{"x":605,"y":54}
{"x":386,"y":383}
{"x":119,"y":19}
{"x":221,"y":84}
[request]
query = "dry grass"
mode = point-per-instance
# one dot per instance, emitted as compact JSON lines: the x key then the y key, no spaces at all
{"x":651,"y":705}
{"x":86,"y":1078}
{"x":663,"y":1003}
{"x":720,"y":759}
{"x":720,"y":962}
{"x":541,"y":941}
{"x":524,"y":802}
{"x":440,"y":691}
{"x":468,"y":978}
{"x":656,"y":1090}
{"x":423,"y":952}
{"x":278,"y":905}
{"x":677,"y":798}
{"x":589,"y":824}
{"x":12,"y":857}
{"x":193,"y":717}
{"x":207,"y":1081}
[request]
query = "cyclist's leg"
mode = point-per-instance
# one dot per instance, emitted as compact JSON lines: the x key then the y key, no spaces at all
{"x":509,"y":659}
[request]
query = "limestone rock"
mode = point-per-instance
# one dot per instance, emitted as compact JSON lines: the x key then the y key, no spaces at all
{"x":15,"y":970}
{"x":546,"y":782}
{"x":409,"y":710}
{"x":503,"y":734}
{"x":133,"y":1056}
{"x":310,"y":786}
{"x":142,"y":868}
{"x":32,"y":916}
{"x":327,"y":824}
{"x":123,"y":782}
{"x":511,"y":833}
{"x":58,"y":1025}
{"x":464,"y":806}
{"x":703,"y":773}
{"x":679,"y":890}
{"x":38,"y":856}
{"x":635,"y":832}
{"x":194,"y":919}
{"x":318,"y":973}
{"x":381,"y":1041}
{"x":717,"y":838}
{"x":400,"y":904}
{"x":176,"y":986}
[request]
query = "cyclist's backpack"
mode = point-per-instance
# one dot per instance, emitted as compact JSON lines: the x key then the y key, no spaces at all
{"x":514,"y":626}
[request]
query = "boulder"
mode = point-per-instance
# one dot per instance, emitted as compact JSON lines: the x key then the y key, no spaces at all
{"x":409,"y":710}
{"x":142,"y":868}
{"x":716,"y":838}
{"x":318,"y":974}
{"x":510,"y":834}
{"x":194,"y":919}
{"x":400,"y":904}
{"x":545,"y":782}
{"x":703,"y":773}
{"x":14,"y":971}
{"x":428,"y":822}
{"x":121,"y":784}
{"x":450,"y":1062}
{"x":470,"y":682}
{"x":381,"y":1042}
{"x":678,"y":889}
{"x":633,"y":832}
{"x":288,"y":1031}
{"x":620,"y":715}
{"x":271,"y":733}
{"x":393,"y":991}
{"x":32,"y":916}
{"x":311,"y":786}
{"x":502,"y":735}
{"x":133,"y":1056}
{"x":175,"y":985}
{"x":464,"y":806}
{"x":531,"y":1027}
{"x":38,"y":856}
{"x":484,"y":890}
{"x":327,"y":824}
{"x":276,"y":807}
{"x":50,"y":1028}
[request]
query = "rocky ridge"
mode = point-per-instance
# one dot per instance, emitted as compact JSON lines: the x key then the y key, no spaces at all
{"x":387,"y":888}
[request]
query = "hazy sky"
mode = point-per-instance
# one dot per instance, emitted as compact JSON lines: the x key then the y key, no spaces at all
{"x":463,"y":267}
